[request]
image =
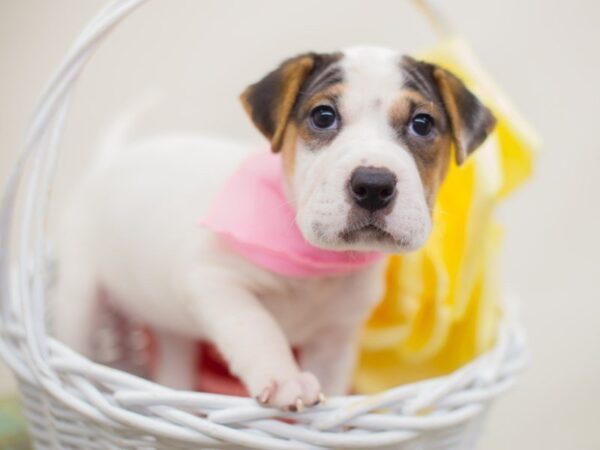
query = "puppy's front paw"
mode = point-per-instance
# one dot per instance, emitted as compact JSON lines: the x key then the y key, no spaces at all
{"x":292,"y":394}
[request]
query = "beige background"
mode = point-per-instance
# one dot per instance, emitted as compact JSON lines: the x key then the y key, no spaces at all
{"x":200,"y":54}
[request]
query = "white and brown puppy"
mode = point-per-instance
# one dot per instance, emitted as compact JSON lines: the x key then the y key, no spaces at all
{"x":366,"y":138}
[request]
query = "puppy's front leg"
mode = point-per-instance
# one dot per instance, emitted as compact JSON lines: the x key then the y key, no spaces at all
{"x":256,"y":349}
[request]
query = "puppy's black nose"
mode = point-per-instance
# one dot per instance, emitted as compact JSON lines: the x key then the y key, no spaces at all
{"x":372,"y":188}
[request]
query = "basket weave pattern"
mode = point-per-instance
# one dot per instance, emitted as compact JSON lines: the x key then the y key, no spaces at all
{"x":73,"y":403}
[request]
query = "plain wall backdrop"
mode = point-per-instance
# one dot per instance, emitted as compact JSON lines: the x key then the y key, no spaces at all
{"x":198,"y":55}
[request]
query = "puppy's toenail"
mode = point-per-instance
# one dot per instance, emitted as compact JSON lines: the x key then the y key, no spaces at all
{"x":264,"y":396}
{"x":321,"y":398}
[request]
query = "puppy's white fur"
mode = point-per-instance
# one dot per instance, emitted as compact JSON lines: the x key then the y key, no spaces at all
{"x":131,"y":229}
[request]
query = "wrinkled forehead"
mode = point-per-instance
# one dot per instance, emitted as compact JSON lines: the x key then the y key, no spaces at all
{"x":367,"y":77}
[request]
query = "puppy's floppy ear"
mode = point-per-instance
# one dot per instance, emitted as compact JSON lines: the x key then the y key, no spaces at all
{"x":470,"y":119}
{"x":269,"y":101}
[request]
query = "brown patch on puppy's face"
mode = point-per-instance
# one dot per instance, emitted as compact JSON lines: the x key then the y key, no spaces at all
{"x":270,"y":101}
{"x":312,"y":104}
{"x":431,"y":152}
{"x":366,"y":137}
{"x":469,"y":121}
{"x":288,"y":149}
{"x":455,"y":117}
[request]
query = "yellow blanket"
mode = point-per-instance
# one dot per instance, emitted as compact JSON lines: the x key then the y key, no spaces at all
{"x":442,"y":304}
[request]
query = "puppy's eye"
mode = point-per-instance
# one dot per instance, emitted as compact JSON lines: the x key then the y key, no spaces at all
{"x":323,"y":117}
{"x":421,"y":124}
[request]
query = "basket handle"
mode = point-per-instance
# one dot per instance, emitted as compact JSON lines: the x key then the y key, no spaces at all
{"x":434,"y":17}
{"x":22,"y":289}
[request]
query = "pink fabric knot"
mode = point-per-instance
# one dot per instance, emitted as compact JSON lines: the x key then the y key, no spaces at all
{"x":252,"y":214}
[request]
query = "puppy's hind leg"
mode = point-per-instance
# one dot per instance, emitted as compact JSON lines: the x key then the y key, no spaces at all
{"x":176,"y":361}
{"x":75,"y":306}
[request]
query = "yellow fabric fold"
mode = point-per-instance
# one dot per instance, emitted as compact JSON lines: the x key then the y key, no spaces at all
{"x":441,"y":307}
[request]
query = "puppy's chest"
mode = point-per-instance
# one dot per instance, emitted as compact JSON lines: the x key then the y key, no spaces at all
{"x":303,"y":308}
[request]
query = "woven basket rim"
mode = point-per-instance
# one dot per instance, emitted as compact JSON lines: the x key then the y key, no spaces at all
{"x":56,"y":382}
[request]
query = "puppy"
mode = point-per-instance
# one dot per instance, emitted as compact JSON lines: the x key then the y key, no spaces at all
{"x":363,"y":139}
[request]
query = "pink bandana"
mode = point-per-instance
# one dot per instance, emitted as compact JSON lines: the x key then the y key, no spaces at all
{"x":253,"y":215}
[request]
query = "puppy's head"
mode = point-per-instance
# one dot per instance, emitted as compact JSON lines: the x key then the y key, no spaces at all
{"x":366,"y":136}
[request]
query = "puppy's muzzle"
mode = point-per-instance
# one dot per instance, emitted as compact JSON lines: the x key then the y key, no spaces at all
{"x":372,"y":188}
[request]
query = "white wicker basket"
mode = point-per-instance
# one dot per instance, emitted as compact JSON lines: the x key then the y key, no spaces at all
{"x":73,"y":403}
